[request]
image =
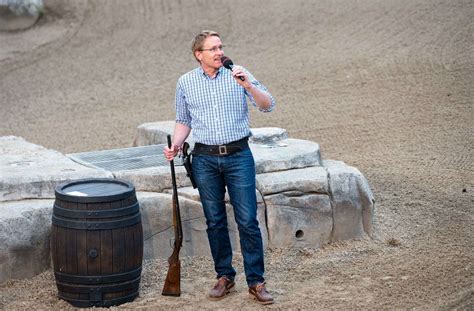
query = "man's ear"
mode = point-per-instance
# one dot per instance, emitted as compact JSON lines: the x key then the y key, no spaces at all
{"x":198,"y":55}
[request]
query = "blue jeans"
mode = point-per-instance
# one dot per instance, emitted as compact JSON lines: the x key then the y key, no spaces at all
{"x":237,"y":172}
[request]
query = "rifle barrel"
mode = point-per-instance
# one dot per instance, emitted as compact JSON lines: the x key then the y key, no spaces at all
{"x":172,"y":286}
{"x":176,"y":211}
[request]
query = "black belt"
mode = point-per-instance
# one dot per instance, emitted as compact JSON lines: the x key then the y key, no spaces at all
{"x":222,"y":150}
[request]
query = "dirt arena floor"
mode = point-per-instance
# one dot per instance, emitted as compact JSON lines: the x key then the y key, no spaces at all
{"x":385,"y":86}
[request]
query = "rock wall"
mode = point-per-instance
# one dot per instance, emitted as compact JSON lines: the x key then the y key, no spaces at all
{"x":303,"y":201}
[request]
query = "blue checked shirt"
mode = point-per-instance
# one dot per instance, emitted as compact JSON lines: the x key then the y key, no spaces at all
{"x":215,"y":109}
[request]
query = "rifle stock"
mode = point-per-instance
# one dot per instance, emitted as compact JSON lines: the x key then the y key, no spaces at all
{"x":172,"y":285}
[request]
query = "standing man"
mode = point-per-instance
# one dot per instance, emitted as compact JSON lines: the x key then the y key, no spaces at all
{"x":212,"y":101}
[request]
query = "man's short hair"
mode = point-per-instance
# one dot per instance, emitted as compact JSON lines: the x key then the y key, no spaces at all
{"x":198,"y":41}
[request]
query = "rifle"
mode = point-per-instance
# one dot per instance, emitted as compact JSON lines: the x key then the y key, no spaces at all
{"x":172,"y":285}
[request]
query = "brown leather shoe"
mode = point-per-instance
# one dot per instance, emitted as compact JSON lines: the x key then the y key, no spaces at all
{"x":221,"y":289}
{"x":259,"y":293}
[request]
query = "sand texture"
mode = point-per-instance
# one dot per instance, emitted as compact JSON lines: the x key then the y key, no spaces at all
{"x":385,"y":86}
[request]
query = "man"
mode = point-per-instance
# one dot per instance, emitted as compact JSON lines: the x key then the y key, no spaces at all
{"x":212,"y":101}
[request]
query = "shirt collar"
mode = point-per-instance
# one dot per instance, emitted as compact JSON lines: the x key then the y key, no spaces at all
{"x":219,"y":72}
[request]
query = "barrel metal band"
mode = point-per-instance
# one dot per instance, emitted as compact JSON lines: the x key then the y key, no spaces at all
{"x":97,"y":279}
{"x":96,"y":225}
{"x":81,"y":303}
{"x":60,"y":211}
{"x":109,"y":288}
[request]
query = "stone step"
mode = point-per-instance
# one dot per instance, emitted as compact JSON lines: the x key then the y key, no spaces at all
{"x":29,"y":171}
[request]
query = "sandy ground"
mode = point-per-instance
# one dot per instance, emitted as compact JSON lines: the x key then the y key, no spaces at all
{"x":385,"y":86}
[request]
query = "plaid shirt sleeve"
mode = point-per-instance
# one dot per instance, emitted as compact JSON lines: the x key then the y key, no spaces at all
{"x":182,"y":112}
{"x":262,"y":88}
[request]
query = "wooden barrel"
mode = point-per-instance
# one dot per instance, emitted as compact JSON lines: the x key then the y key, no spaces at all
{"x":97,"y":242}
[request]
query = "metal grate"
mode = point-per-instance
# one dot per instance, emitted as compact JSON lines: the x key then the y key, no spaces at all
{"x":124,"y":159}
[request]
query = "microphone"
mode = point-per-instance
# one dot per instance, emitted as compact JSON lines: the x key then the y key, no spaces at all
{"x":227,"y":62}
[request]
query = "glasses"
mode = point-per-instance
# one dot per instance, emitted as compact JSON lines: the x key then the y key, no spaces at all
{"x":214,"y":49}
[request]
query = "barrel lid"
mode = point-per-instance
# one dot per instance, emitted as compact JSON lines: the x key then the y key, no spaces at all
{"x":94,"y":190}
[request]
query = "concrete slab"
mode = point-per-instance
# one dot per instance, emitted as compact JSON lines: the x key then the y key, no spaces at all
{"x":29,"y":171}
{"x":286,"y":154}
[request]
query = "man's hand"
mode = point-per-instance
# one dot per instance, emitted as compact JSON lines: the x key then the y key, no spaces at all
{"x":237,"y":72}
{"x":180,"y":134}
{"x":171,"y":153}
{"x":262,"y":100}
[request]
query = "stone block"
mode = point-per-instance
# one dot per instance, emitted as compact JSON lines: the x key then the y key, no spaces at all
{"x":352,"y":200}
{"x":267,"y":135}
{"x":25,"y":228}
{"x":287,"y":154}
{"x":298,"y":219}
{"x":306,"y":180}
{"x":29,"y":171}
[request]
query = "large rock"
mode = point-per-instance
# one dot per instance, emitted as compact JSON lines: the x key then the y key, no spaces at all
{"x":298,"y":207}
{"x":352,"y":200}
{"x":19,"y":14}
{"x":157,"y":215}
{"x":316,"y":205}
{"x":29,"y":171}
{"x":25,"y":228}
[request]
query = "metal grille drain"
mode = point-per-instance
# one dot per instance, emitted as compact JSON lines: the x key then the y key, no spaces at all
{"x":124,"y":159}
